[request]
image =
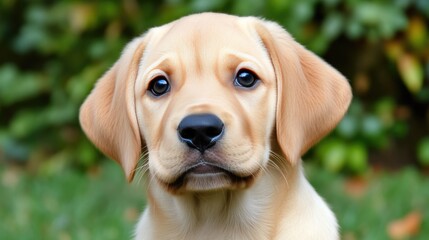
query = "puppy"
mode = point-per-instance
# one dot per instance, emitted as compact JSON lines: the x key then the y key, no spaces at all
{"x":220,"y":110}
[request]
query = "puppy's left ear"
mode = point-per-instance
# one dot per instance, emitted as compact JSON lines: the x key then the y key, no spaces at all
{"x":108,"y":115}
{"x":312,"y":96}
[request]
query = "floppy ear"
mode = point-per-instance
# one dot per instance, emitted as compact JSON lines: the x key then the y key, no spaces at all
{"x":312,"y":96}
{"x":108,"y":115}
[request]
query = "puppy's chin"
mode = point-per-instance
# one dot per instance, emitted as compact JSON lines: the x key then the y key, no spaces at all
{"x":206,"y":177}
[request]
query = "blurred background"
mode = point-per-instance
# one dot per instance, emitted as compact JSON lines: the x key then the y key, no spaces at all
{"x":373,"y":169}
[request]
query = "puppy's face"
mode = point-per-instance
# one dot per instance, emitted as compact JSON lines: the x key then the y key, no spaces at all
{"x":203,"y":94}
{"x":205,"y":104}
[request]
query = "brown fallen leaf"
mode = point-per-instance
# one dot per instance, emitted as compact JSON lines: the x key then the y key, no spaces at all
{"x":405,"y":227}
{"x":356,"y":186}
{"x":361,"y":83}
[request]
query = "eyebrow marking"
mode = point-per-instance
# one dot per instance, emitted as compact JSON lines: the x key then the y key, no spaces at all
{"x":235,"y":57}
{"x":163,"y":62}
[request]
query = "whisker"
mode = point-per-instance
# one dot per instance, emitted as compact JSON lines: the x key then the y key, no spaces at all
{"x":275,"y":159}
{"x":143,"y":165}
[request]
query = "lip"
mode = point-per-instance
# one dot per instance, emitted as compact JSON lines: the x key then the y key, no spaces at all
{"x":204,"y":168}
{"x":204,"y":177}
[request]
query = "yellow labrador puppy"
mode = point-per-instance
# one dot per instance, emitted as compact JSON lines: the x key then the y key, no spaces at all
{"x":219,"y":109}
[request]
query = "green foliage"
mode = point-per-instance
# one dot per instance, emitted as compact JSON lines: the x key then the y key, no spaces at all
{"x":52,"y":54}
{"x":423,"y":151}
{"x":347,"y":148}
{"x":67,"y":204}
{"x":366,"y":206}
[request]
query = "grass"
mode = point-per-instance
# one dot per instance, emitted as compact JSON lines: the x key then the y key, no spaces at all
{"x":68,"y":204}
{"x":367,"y":206}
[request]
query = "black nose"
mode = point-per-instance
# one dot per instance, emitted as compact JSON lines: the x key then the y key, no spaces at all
{"x":200,"y":131}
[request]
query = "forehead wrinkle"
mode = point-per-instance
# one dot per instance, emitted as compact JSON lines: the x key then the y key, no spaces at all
{"x":164,"y":63}
{"x":199,"y":45}
{"x":196,"y":57}
{"x":233,"y":59}
{"x":197,"y":52}
{"x":237,"y":57}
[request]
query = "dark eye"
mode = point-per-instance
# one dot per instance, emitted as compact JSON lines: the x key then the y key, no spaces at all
{"x":159,"y":86}
{"x":245,"y":78}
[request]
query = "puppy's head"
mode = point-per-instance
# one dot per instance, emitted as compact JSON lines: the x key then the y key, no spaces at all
{"x":203,"y":94}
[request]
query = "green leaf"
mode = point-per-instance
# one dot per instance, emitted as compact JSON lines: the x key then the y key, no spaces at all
{"x":371,"y":126}
{"x":357,"y":157}
{"x":423,"y":151}
{"x":16,"y":86}
{"x":333,"y":25}
{"x":411,"y":71}
{"x":354,"y":29}
{"x":384,"y":109}
{"x":333,"y":154}
{"x":417,"y":33}
{"x":303,"y":11}
{"x":87,"y":153}
{"x":12,"y":148}
{"x":376,"y":20}
{"x":348,"y":127}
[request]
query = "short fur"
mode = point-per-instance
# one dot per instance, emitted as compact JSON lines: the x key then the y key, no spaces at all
{"x":298,"y":100}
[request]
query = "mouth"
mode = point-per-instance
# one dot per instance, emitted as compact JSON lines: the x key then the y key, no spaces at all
{"x":205,"y":176}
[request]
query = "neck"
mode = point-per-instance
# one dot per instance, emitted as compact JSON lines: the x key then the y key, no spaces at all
{"x":246,"y":214}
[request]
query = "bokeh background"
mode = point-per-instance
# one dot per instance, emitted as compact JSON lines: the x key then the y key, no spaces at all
{"x":373,"y":169}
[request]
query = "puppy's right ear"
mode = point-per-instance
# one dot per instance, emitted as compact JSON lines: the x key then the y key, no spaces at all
{"x":108,"y":115}
{"x":312,"y":96}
